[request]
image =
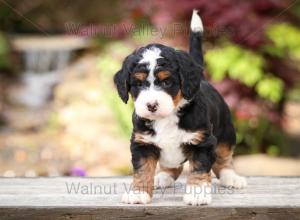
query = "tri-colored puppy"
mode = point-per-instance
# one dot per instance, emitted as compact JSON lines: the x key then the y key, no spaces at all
{"x":178,"y":117}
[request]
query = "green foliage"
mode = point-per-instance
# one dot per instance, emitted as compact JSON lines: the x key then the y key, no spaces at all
{"x":246,"y":130}
{"x":294,"y":94}
{"x":4,"y":52}
{"x":270,"y":88}
{"x":124,"y":170}
{"x":53,"y":123}
{"x":247,"y":67}
{"x":285,"y":38}
{"x":273,"y":150}
{"x":238,"y":63}
{"x":258,"y":135}
{"x":108,"y":64}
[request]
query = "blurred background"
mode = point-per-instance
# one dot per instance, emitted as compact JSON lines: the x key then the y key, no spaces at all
{"x":59,"y":111}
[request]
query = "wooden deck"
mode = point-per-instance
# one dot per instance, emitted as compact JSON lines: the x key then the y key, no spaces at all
{"x":99,"y":198}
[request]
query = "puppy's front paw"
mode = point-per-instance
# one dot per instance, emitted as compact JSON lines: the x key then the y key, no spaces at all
{"x":136,"y":197}
{"x":197,"y":195}
{"x":229,"y":178}
{"x":163,"y":180}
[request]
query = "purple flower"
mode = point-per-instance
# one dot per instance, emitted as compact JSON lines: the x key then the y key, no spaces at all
{"x":77,"y":171}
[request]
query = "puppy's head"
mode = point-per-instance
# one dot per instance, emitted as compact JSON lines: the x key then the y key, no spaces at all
{"x":159,"y":79}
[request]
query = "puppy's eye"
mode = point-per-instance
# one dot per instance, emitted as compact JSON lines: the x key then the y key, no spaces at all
{"x":166,"y":83}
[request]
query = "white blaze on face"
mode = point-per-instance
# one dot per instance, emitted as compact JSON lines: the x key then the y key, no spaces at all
{"x":150,"y":56}
{"x":152,"y":94}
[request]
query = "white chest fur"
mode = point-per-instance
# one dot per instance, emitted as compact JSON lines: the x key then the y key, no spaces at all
{"x":169,"y":137}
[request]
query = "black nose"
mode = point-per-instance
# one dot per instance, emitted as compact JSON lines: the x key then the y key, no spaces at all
{"x":152,"y":107}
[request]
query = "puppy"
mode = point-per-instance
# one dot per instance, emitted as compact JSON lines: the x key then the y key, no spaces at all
{"x":178,"y":117}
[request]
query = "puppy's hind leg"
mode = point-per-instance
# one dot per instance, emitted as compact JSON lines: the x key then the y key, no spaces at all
{"x":223,"y":168}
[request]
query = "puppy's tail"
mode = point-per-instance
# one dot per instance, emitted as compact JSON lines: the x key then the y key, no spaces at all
{"x":196,"y":38}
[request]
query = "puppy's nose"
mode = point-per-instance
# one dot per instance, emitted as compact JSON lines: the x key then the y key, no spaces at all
{"x":152,"y":107}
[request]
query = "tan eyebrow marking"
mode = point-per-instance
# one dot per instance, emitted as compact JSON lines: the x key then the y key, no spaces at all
{"x":140,"y":76}
{"x":163,"y":75}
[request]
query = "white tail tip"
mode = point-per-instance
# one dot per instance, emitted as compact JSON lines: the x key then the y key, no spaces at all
{"x":196,"y":23}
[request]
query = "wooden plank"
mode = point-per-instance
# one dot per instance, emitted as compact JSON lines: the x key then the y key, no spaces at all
{"x":99,"y":198}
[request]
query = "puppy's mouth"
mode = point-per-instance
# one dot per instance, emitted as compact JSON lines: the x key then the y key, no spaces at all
{"x":153,"y":104}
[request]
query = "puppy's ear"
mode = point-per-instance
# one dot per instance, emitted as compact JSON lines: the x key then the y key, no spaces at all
{"x":190,"y":74}
{"x":122,"y":77}
{"x":121,"y":80}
